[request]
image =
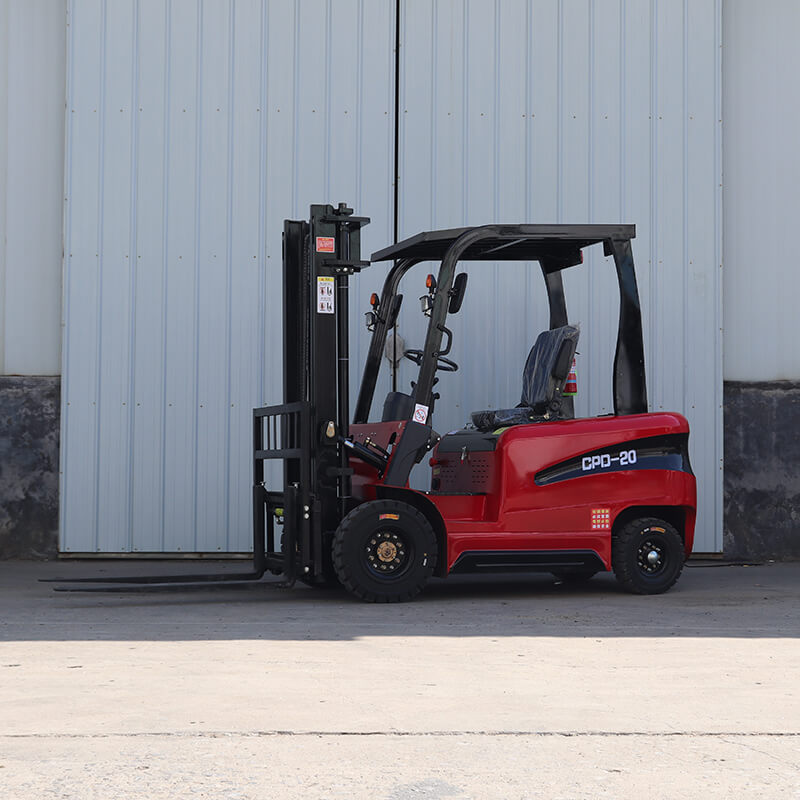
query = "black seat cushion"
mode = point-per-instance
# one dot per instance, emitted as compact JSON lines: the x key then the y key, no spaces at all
{"x":494,"y":418}
{"x":543,"y":378}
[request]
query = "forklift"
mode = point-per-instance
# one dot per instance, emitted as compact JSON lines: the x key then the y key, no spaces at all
{"x":523,"y":489}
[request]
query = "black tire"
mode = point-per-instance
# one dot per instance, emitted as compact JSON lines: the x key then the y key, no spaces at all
{"x":647,"y":555}
{"x":575,"y":577}
{"x":384,"y":551}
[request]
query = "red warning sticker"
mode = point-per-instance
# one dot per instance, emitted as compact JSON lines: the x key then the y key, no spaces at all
{"x":601,"y":519}
{"x":326,"y":244}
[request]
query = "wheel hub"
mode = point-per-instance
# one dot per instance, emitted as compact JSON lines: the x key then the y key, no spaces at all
{"x":386,"y":552}
{"x":651,"y":557}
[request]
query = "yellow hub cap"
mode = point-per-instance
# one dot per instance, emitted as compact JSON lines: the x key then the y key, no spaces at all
{"x":386,"y":552}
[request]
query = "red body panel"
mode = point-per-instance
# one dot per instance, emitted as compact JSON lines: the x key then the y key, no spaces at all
{"x":514,"y":513}
{"x":383,"y":434}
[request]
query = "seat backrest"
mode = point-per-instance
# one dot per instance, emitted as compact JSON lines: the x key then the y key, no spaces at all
{"x":547,"y":368}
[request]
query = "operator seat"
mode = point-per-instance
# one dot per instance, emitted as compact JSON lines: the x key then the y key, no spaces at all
{"x":543,"y":379}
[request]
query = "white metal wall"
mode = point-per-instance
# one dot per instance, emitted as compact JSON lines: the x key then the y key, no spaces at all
{"x":574,"y":111}
{"x":193,"y":130}
{"x":761,"y":62}
{"x":32,"y":45}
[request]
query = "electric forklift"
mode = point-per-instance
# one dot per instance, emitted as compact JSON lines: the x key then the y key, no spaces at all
{"x":528,"y":488}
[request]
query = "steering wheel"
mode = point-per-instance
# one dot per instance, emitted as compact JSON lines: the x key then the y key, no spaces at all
{"x":442,"y":363}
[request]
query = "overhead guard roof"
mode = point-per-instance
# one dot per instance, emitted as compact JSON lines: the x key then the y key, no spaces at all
{"x":506,"y":242}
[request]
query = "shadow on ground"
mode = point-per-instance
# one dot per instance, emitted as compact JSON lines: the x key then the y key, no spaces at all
{"x":737,"y":601}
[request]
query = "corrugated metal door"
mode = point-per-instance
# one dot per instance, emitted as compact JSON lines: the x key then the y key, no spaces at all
{"x":574,"y":111}
{"x":193,"y":129}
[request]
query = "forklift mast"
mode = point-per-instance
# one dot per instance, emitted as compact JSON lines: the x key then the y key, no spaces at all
{"x":319,"y":256}
{"x":306,"y":432}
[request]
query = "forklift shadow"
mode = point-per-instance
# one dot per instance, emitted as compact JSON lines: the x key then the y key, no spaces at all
{"x":735,"y":602}
{"x":539,"y":584}
{"x":453,"y":589}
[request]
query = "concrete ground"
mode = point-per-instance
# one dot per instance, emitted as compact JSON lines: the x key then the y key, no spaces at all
{"x":516,"y":688}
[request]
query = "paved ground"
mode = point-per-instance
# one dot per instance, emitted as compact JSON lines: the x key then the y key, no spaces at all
{"x":519,"y":689}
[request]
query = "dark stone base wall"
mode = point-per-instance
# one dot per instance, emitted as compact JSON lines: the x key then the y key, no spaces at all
{"x":29,"y":433}
{"x":761,"y":495}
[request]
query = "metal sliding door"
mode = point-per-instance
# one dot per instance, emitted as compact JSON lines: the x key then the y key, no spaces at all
{"x":574,"y":111}
{"x":194,"y":127}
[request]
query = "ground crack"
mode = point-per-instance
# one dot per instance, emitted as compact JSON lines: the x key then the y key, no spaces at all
{"x":401,"y":733}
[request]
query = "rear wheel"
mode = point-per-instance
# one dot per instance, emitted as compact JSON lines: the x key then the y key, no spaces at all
{"x":384,"y":551}
{"x":647,"y":555}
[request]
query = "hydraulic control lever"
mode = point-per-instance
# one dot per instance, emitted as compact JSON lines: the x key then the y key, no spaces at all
{"x":375,"y":458}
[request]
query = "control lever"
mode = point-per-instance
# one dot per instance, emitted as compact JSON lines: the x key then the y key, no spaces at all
{"x":376,"y":446}
{"x":371,"y":457}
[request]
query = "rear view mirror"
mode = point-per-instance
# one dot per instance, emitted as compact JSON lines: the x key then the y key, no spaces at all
{"x":457,"y":293}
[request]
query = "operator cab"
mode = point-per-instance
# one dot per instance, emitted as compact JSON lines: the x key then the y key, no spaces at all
{"x":552,"y":248}
{"x":543,"y":379}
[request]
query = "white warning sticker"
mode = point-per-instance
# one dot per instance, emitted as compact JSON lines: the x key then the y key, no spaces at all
{"x":325,"y":298}
{"x":420,"y":413}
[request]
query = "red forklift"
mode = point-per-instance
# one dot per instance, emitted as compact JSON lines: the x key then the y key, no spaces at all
{"x":521,"y":489}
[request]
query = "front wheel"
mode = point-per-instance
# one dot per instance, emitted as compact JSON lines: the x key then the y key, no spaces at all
{"x":647,"y":555}
{"x":384,"y":551}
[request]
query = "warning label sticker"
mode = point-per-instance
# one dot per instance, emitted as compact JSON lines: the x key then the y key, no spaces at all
{"x":326,"y":244}
{"x":325,"y":297}
{"x":420,"y":413}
